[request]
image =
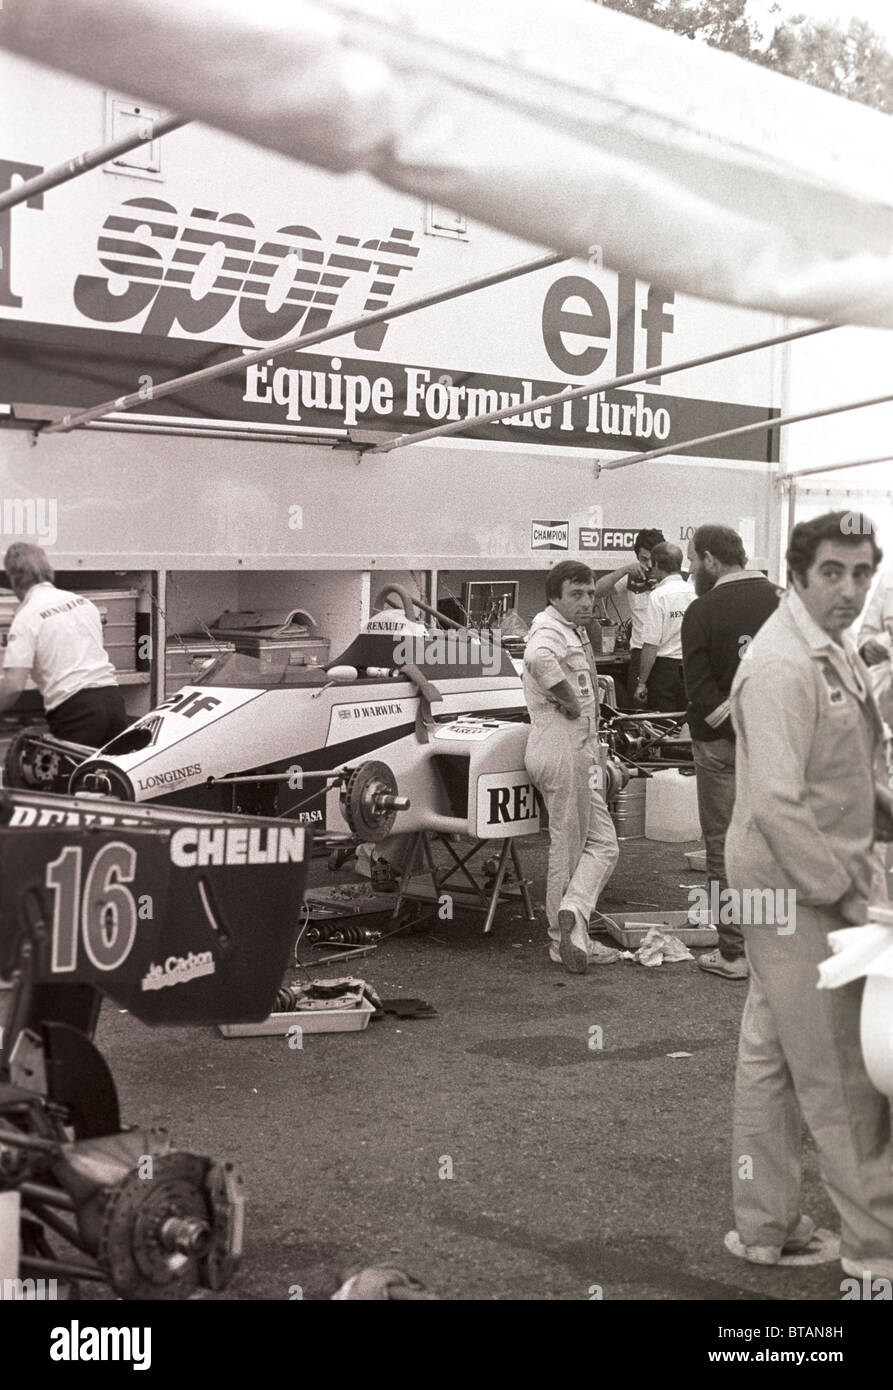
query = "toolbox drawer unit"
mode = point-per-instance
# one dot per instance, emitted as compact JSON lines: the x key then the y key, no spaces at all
{"x":117,"y":609}
{"x":188,"y":659}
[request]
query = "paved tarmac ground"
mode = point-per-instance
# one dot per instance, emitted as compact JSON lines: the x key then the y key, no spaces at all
{"x":490,"y":1151}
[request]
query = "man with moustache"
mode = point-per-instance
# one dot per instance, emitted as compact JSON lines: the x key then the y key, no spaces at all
{"x":809,"y":786}
{"x":731,"y":606}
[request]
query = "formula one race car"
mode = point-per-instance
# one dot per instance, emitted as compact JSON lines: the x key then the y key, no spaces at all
{"x":257,"y":716}
{"x":179,"y":917}
{"x":256,"y":732}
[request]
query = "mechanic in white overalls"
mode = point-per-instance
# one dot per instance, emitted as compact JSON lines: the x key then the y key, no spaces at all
{"x":559,"y":681}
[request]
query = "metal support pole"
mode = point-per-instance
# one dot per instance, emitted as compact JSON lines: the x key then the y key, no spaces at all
{"x":32,"y":1142}
{"x":159,"y":654}
{"x":246,"y":436}
{"x":232,"y":364}
{"x":745,"y":429}
{"x":64,"y":1269}
{"x":783,"y":534}
{"x":275,"y":777}
{"x":50,"y":1196}
{"x":832,"y":467}
{"x":496,"y":892}
{"x":51,"y":178}
{"x":55,"y":1223}
{"x":579,"y":392}
{"x":523,"y":883}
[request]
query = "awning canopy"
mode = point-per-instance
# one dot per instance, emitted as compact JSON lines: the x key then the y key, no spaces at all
{"x":568,"y":124}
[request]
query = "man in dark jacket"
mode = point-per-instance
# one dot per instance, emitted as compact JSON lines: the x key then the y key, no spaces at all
{"x":732,"y":605}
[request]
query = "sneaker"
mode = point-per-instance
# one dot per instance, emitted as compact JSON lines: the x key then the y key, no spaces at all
{"x":799,"y":1240}
{"x":602,"y":955}
{"x":574,"y":957}
{"x":873,"y":1267}
{"x":716,"y":964}
{"x":596,"y":953}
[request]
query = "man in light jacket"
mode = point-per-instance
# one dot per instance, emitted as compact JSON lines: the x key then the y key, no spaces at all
{"x":809,"y":782}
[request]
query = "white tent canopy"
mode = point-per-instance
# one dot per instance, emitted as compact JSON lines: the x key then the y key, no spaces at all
{"x":566,"y":124}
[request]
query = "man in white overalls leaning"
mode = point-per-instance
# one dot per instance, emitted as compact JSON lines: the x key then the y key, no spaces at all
{"x":562,"y":759}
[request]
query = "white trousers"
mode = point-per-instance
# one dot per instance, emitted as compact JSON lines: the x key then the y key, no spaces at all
{"x":562,"y":759}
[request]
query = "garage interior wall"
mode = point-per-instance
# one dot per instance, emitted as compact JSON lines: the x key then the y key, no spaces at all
{"x":126,"y":500}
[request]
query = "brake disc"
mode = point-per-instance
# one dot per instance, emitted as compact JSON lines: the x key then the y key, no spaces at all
{"x":367,"y":801}
{"x":156,"y":1230}
{"x":219,"y":1265}
{"x":29,"y":763}
{"x":44,"y":765}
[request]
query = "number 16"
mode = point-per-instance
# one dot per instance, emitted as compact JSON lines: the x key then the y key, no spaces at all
{"x":106,"y":910}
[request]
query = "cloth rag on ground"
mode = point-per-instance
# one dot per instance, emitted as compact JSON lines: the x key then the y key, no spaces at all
{"x":658,"y":948}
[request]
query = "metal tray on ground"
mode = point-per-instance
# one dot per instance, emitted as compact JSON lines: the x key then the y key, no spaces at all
{"x":632,"y":930}
{"x":338,"y":901}
{"x":308,"y":1020}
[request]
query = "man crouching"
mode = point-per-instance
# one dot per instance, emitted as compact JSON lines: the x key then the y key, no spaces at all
{"x":562,"y":759}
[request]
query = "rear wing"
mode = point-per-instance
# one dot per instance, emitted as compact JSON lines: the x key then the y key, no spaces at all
{"x":178,"y":916}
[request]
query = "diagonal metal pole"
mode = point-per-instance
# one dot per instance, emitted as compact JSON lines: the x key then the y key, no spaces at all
{"x":579,"y":392}
{"x":743,"y":429}
{"x":91,"y":159}
{"x":321,"y":335}
{"x":832,"y":467}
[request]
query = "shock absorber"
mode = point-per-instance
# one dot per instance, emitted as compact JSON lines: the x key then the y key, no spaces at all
{"x":350,"y":934}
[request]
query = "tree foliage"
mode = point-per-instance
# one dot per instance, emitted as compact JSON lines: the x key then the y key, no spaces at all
{"x":852,"y":62}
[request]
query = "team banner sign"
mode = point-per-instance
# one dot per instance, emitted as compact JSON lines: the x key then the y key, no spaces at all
{"x":150,"y":284}
{"x":65,"y":367}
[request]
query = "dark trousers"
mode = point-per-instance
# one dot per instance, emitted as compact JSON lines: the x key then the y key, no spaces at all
{"x":632,"y":677}
{"x":666,"y":687}
{"x":715,"y":775}
{"x":92,"y":717}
